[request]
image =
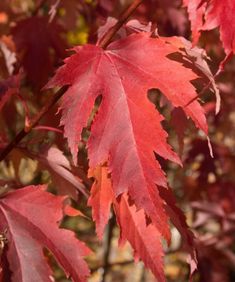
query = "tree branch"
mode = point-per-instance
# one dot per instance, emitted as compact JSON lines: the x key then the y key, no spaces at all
{"x":33,"y":123}
{"x":104,"y":43}
{"x":111,"y":265}
{"x":107,"y":247}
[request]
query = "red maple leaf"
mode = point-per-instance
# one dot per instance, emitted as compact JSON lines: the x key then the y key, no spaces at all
{"x":53,"y":160}
{"x":30,"y":219}
{"x":144,"y":239}
{"x":209,"y":14}
{"x":35,"y":48}
{"x":101,"y":198}
{"x":127,"y":129}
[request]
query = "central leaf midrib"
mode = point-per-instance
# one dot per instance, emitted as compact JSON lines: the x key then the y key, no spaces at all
{"x":126,"y":99}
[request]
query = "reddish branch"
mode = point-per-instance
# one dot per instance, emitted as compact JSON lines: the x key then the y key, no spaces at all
{"x":33,"y":123}
{"x":104,"y":43}
{"x":122,"y":19}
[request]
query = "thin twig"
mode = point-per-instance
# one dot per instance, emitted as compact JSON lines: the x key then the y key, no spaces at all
{"x":32,"y":124}
{"x":143,"y":274}
{"x":110,"y":265}
{"x":219,"y":71}
{"x":104,"y":43}
{"x":48,"y":128}
{"x":107,"y":247}
{"x":204,"y":89}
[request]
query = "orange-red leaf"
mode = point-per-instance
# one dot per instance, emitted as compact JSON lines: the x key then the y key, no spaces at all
{"x":101,"y":198}
{"x":127,"y":129}
{"x":208,"y":14}
{"x":144,"y":239}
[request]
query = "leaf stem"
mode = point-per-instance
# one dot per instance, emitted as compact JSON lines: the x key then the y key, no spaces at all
{"x":103,"y":43}
{"x":32,"y":124}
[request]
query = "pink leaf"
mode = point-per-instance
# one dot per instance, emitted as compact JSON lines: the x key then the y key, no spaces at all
{"x":31,"y":218}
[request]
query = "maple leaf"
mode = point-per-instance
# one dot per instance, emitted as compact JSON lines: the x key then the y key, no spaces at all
{"x":209,"y":14}
{"x":53,"y":160}
{"x":101,"y":198}
{"x":34,"y":48}
{"x":197,"y":58}
{"x":144,"y":239}
{"x":60,"y":169}
{"x":179,"y":220}
{"x":179,"y":122}
{"x":30,"y":217}
{"x":122,"y":74}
